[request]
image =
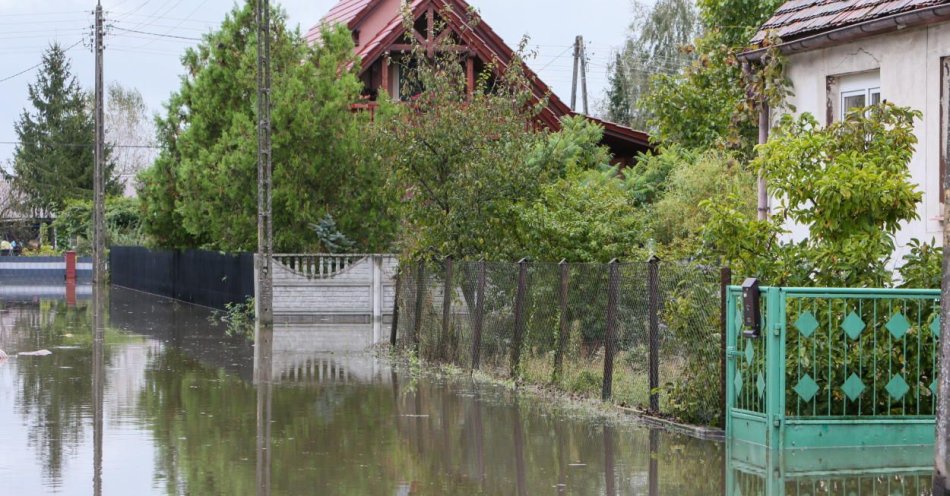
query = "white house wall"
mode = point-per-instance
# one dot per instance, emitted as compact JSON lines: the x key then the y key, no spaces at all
{"x":909,"y":64}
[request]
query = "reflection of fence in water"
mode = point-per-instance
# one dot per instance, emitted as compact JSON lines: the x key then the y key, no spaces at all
{"x":645,"y":334}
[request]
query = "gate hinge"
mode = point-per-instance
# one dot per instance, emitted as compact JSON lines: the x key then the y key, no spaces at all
{"x":776,"y":422}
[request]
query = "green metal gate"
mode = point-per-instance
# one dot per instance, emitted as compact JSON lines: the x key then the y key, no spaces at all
{"x":833,"y":368}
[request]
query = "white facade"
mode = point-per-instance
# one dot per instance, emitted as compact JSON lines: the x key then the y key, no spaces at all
{"x":907,"y":68}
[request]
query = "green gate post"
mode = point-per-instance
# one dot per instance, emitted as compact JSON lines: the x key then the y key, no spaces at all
{"x":774,"y":333}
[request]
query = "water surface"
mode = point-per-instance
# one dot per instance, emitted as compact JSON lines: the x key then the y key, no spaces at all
{"x":159,"y":401}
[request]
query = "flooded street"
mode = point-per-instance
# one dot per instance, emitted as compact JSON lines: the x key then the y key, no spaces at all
{"x":169,"y":404}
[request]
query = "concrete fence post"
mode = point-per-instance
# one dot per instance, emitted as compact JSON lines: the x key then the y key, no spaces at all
{"x":377,"y":288}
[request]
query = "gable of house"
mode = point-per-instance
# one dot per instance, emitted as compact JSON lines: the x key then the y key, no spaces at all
{"x":381,"y":36}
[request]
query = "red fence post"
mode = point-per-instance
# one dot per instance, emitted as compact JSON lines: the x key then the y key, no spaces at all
{"x":71,"y":267}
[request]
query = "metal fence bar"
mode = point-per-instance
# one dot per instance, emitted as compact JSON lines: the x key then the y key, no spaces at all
{"x":610,"y":338}
{"x":653,"y":311}
{"x":446,"y":307}
{"x":518,"y":341}
{"x":420,"y":299}
{"x":395,"y":323}
{"x":563,"y":327}
{"x":479,"y":316}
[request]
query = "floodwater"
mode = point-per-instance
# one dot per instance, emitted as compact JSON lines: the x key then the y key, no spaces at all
{"x":159,"y":401}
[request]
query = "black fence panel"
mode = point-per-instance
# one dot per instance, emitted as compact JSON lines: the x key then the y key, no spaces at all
{"x":201,"y":277}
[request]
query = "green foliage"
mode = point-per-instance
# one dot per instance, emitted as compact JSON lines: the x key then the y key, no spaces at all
{"x":123,"y":224}
{"x":53,"y":161}
{"x":239,"y":318}
{"x":654,"y":44}
{"x":331,"y":239}
{"x":848,"y":182}
{"x":202,"y":189}
{"x":677,"y":219}
{"x":736,"y":21}
{"x":923,"y":265}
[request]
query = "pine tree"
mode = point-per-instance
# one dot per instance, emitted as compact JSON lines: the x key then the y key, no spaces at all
{"x":54,"y":160}
{"x":618,"y":96}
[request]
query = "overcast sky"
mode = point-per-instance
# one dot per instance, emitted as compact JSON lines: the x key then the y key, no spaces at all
{"x":151,"y":64}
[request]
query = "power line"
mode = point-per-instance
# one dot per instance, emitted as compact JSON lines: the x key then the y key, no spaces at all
{"x":160,"y":35}
{"x":82,"y":145}
{"x":24,"y":71}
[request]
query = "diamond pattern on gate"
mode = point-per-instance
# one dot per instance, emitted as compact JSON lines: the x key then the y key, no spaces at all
{"x":806,"y":388}
{"x":760,"y":385}
{"x":853,"y":325}
{"x":898,"y":325}
{"x":853,"y":387}
{"x":897,"y":388}
{"x":806,"y":324}
{"x":738,"y":382}
{"x":933,"y":387}
{"x":935,"y":327}
{"x":749,"y":351}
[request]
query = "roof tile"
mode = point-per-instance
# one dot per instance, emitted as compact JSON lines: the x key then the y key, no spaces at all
{"x":797,"y":18}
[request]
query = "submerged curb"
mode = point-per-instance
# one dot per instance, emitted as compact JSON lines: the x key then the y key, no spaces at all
{"x":699,"y":432}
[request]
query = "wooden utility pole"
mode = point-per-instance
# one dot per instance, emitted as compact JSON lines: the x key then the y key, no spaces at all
{"x":580,"y":73}
{"x":98,"y":181}
{"x":265,"y":246}
{"x":941,"y":482}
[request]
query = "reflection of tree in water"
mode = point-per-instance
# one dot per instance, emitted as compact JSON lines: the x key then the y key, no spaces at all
{"x":54,"y":391}
{"x":204,"y":424}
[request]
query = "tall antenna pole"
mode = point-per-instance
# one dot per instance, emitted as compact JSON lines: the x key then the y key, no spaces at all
{"x":265,"y":247}
{"x":584,"y":75}
{"x":577,"y":58}
{"x":98,"y":183}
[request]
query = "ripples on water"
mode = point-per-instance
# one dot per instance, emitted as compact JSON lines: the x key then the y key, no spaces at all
{"x":165,"y":403}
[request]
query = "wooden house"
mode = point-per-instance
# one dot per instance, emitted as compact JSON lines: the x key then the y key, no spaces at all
{"x":381,"y":40}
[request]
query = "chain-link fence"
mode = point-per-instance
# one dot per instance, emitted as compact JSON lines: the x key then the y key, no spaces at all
{"x":645,"y":335}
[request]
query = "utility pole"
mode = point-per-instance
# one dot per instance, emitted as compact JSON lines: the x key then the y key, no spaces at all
{"x":265,"y":246}
{"x":580,"y":69}
{"x":98,"y":182}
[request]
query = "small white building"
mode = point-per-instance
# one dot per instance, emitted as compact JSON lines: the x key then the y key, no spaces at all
{"x":851,"y":53}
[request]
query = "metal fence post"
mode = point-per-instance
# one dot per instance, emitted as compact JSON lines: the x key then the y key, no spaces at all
{"x":446,"y":307}
{"x":479,"y":315}
{"x":563,"y":334}
{"x":610,"y":338}
{"x":420,"y":297}
{"x":653,"y":309}
{"x":725,"y":280}
{"x":519,"y":316}
{"x":395,"y":323}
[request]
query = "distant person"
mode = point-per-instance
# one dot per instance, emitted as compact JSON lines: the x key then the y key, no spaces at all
{"x":17,"y":248}
{"x":6,"y":249}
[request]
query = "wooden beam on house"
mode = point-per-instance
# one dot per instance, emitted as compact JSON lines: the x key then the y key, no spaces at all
{"x":384,"y":67}
{"x":470,"y":75}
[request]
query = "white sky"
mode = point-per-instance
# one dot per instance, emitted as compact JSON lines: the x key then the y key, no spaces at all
{"x":151,"y":64}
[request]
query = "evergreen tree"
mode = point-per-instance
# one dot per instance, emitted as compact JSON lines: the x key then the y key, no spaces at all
{"x":54,"y":160}
{"x":655,"y":45}
{"x":202,"y":188}
{"x":618,"y":97}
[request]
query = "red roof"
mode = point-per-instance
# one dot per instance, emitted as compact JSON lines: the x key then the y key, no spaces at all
{"x":798,"y":18}
{"x":348,"y":12}
{"x":487,"y":44}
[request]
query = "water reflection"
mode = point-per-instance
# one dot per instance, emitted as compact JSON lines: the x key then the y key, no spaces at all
{"x":147,"y":397}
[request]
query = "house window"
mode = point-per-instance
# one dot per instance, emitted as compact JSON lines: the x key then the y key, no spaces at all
{"x":858,"y":91}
